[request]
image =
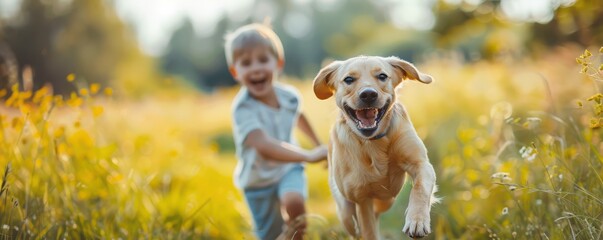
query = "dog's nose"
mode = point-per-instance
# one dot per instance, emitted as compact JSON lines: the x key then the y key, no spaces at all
{"x":368,"y":95}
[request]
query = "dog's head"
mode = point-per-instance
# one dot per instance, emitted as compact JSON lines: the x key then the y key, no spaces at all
{"x":364,"y":89}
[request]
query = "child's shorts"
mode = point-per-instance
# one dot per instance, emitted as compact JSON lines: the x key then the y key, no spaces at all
{"x":265,"y":204}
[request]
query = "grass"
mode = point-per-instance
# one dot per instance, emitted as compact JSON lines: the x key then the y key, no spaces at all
{"x":516,"y":146}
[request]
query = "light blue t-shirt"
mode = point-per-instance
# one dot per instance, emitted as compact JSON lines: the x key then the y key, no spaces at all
{"x":253,"y":171}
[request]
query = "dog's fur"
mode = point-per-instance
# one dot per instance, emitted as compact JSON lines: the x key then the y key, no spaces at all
{"x":367,"y":167}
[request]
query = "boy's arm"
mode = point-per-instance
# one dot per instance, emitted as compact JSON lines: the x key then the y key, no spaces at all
{"x":273,"y":149}
{"x":305,"y":127}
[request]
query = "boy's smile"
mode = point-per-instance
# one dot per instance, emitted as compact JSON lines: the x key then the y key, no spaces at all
{"x":255,"y":69}
{"x":258,"y":79}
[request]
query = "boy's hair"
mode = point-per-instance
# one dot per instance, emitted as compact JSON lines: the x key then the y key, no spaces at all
{"x":250,"y":36}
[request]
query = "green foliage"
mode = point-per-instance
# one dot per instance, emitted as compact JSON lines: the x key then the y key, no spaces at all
{"x":85,"y":38}
{"x":57,"y":38}
{"x":477,"y":30}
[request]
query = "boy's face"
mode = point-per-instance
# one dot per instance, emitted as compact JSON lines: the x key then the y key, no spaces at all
{"x":255,"y":69}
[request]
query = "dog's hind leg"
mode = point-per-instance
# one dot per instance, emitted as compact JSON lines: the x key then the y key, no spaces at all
{"x":347,"y":215}
{"x":367,"y":220}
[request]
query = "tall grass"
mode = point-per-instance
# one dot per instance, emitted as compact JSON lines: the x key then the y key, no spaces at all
{"x":516,"y":146}
{"x":82,"y":169}
{"x":561,"y":195}
{"x":528,"y":174}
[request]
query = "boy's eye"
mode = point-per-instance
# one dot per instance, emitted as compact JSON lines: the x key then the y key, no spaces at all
{"x":382,"y":77}
{"x":245,"y":62}
{"x":348,"y":80}
{"x":263,"y":59}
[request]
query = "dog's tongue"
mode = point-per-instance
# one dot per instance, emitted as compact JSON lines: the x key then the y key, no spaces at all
{"x":367,"y":117}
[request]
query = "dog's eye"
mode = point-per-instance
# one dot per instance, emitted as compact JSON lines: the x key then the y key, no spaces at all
{"x":348,"y":80}
{"x":382,"y":77}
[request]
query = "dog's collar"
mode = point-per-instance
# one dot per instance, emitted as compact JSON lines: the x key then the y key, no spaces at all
{"x":380,"y":135}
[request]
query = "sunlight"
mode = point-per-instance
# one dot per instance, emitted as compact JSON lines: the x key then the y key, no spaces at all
{"x":297,"y":24}
{"x":116,"y":116}
{"x":9,"y":8}
{"x":541,"y":11}
{"x":415,"y":16}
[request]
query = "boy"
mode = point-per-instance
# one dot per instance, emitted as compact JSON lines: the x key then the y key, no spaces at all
{"x":270,"y":168}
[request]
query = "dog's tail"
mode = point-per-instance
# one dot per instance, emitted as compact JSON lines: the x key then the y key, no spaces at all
{"x":434,"y":198}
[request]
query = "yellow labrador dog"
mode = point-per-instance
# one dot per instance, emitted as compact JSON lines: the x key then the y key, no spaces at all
{"x":374,"y":144}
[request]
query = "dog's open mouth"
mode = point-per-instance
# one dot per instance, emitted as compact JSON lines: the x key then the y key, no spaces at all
{"x":366,"y":119}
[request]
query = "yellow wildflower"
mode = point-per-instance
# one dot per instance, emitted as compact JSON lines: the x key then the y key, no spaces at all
{"x":597,"y":97}
{"x":59,"y":132}
{"x":75,"y":102}
{"x":595,"y":123}
{"x":25,"y":109}
{"x":108,"y":91}
{"x":587,"y":53}
{"x":71,"y":77}
{"x":94,"y":88}
{"x":40,"y":93}
{"x":58,"y":100}
{"x":84,"y":92}
{"x":25,"y":95}
{"x":97,"y":110}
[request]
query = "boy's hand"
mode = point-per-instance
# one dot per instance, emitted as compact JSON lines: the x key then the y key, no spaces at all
{"x":318,"y":154}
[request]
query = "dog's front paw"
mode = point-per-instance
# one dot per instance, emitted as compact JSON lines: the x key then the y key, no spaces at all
{"x":417,"y":225}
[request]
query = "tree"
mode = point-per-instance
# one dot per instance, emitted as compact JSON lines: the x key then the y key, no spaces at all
{"x":57,"y":38}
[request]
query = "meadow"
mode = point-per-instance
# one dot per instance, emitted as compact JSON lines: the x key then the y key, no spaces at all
{"x":516,"y":144}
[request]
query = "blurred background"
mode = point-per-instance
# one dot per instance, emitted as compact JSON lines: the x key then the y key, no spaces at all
{"x":116,"y":114}
{"x":99,"y":40}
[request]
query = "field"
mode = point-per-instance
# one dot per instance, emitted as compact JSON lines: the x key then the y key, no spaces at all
{"x":516,"y":144}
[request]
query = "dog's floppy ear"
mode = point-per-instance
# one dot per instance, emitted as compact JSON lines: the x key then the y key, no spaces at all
{"x":408,"y":71}
{"x":323,"y":82}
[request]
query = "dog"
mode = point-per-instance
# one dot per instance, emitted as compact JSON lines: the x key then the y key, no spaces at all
{"x":373,"y":145}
